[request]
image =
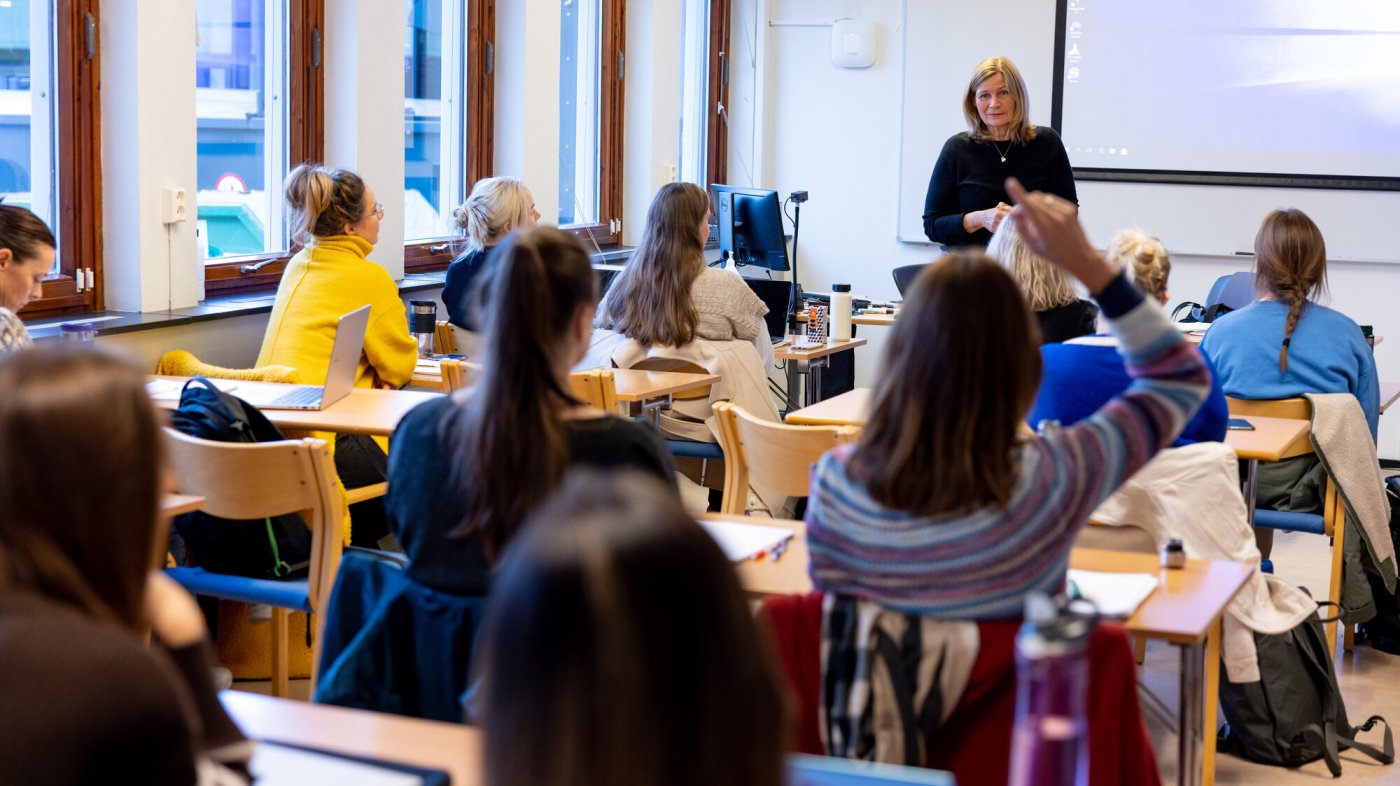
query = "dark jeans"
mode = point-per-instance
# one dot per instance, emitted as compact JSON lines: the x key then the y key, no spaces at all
{"x":359,"y":461}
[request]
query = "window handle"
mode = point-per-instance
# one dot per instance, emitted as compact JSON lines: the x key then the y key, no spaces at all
{"x":440,"y":248}
{"x":254,"y":267}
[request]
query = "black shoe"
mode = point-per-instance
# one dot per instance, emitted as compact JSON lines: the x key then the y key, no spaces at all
{"x":1383,"y":637}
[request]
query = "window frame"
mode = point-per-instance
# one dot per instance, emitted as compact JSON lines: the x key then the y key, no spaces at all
{"x":429,"y":254}
{"x":306,"y":20}
{"x":76,"y":288}
{"x":607,"y":231}
{"x":717,"y":138}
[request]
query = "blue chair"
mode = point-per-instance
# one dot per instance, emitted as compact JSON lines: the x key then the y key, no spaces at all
{"x":904,"y":276}
{"x":251,"y":481}
{"x":391,"y":644}
{"x":1233,"y":291}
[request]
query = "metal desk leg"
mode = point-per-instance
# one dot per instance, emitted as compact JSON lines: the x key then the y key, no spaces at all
{"x":1212,"y":701}
{"x":1188,"y":748}
{"x":814,"y":380}
{"x":794,"y":385}
{"x":1251,"y":488}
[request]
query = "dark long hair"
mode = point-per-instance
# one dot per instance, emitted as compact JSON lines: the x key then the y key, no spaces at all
{"x":512,"y":446}
{"x":80,"y":463}
{"x":23,"y":233}
{"x":1290,"y":263}
{"x":618,"y":637}
{"x":650,"y":301}
{"x":960,"y":373}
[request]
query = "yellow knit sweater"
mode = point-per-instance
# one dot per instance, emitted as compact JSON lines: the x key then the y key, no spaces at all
{"x":322,"y":283}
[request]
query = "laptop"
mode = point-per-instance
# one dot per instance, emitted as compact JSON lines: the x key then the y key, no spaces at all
{"x":340,"y":377}
{"x":775,"y":295}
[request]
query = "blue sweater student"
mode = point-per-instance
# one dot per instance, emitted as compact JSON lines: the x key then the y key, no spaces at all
{"x":1326,"y":354}
{"x":1078,"y":379}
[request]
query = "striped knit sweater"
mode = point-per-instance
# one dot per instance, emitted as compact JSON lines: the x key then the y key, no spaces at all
{"x":981,"y":565}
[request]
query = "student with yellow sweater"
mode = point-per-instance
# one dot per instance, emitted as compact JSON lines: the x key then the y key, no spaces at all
{"x":335,"y":217}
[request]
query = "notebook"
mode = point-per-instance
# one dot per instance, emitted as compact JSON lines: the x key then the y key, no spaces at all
{"x":746,"y":541}
{"x":340,"y":377}
{"x":775,"y":295}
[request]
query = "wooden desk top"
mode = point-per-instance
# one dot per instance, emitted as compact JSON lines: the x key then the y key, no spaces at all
{"x":422,"y":743}
{"x":788,"y":352}
{"x":880,"y":320}
{"x":1181,"y":610}
{"x":851,"y":408}
{"x":364,"y":411}
{"x":175,"y":504}
{"x":1390,"y":391}
{"x":635,"y":385}
{"x":1271,"y":440}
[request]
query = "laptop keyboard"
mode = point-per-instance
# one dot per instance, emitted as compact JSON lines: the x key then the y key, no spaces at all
{"x":301,"y":397}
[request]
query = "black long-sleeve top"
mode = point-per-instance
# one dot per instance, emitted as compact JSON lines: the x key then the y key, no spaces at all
{"x":970,"y":176}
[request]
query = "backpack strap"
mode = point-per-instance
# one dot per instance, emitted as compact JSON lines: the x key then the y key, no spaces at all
{"x":1386,"y":753}
{"x":1195,"y":312}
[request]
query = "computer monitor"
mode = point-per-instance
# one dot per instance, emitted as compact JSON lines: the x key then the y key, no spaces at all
{"x":751,"y":226}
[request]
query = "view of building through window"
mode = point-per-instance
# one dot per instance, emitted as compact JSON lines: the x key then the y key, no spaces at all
{"x":28,"y":164}
{"x":435,"y":139}
{"x":580,"y":47}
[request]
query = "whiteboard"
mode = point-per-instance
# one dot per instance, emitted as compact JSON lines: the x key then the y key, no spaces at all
{"x":942,"y":42}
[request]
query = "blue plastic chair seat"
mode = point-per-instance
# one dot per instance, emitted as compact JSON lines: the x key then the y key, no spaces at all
{"x":295,"y":594}
{"x":1297,"y":522}
{"x":701,"y":450}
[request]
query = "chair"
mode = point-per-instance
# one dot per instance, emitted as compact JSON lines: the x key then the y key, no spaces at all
{"x":904,"y":276}
{"x":444,"y":340}
{"x":251,"y":481}
{"x":774,"y":455}
{"x":595,"y":387}
{"x":1330,"y":523}
{"x":458,"y":374}
{"x":1233,"y":291}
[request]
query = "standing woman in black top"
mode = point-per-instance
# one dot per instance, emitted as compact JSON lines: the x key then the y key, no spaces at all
{"x":966,"y":199}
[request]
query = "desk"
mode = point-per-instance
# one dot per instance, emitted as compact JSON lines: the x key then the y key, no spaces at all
{"x":172,"y":505}
{"x":851,"y":408}
{"x":879,"y":320}
{"x":364,"y":411}
{"x":1273,"y":439}
{"x":429,"y":744}
{"x":1390,"y":391}
{"x":815,"y":359}
{"x":1185,"y":610}
{"x":636,"y":385}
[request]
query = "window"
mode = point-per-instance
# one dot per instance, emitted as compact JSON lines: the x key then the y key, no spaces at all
{"x":704,"y":91}
{"x":258,"y":96}
{"x":591,"y":69}
{"x":49,"y":152}
{"x":447,"y":119}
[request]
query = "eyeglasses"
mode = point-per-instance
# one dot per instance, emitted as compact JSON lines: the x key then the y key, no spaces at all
{"x":378,"y":211}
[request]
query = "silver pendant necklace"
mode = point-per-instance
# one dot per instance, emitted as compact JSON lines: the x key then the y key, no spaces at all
{"x":998,"y":149}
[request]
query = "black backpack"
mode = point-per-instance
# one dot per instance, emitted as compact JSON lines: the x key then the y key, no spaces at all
{"x":1195,"y":312}
{"x":1294,"y":714}
{"x":277,"y":547}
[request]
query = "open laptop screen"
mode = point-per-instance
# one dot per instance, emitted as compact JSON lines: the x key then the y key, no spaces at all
{"x":775,"y":295}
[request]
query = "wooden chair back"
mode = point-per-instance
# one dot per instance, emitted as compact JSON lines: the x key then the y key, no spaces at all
{"x":595,"y":387}
{"x":1293,"y":408}
{"x":458,"y":374}
{"x":774,"y":455}
{"x":241,"y":480}
{"x":444,"y":340}
{"x":684,"y":367}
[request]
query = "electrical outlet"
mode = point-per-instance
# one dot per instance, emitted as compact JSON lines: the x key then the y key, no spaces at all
{"x":670,"y":173}
{"x":173,"y":207}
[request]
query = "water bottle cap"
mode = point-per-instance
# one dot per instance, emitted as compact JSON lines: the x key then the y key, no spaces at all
{"x":1053,"y":629}
{"x":840,"y":287}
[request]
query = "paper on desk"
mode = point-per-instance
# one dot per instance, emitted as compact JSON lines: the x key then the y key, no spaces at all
{"x":276,"y":765}
{"x":1115,"y":594}
{"x":169,"y":389}
{"x":428,"y":364}
{"x":744,"y":541}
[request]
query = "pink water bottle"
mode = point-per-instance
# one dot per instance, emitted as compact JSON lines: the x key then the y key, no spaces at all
{"x":1050,"y":740}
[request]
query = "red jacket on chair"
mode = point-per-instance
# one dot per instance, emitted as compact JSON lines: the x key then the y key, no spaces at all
{"x":975,"y":743}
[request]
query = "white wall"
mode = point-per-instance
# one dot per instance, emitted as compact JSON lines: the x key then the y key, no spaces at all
{"x":149,"y":116}
{"x":835,"y":132}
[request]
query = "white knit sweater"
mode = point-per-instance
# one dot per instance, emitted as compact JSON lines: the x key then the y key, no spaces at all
{"x":728,"y":308}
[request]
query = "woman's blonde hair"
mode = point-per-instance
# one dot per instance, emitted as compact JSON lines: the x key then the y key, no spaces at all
{"x":1021,"y":129}
{"x":495,"y":207}
{"x":323,"y":201}
{"x":650,"y":301}
{"x":1144,"y":258}
{"x":1044,"y":285}
{"x":1290,"y":263}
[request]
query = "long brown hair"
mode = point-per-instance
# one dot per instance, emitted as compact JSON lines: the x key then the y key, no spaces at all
{"x":618,"y":633}
{"x":960,"y":373}
{"x":75,"y":412}
{"x":650,"y":301}
{"x":323,"y":201}
{"x":513,"y":448}
{"x":1290,"y":263}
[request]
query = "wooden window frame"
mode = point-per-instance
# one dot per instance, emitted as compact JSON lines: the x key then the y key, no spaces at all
{"x":611,"y":87}
{"x":306,"y":20}
{"x":717,"y":136}
{"x":79,"y":184}
{"x":422,"y":256}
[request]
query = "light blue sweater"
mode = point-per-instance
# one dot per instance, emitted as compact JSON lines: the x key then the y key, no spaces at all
{"x":1327,"y":354}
